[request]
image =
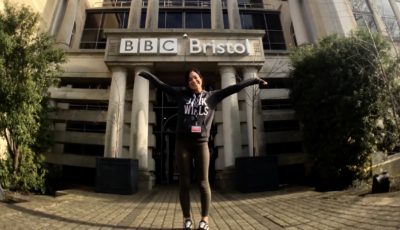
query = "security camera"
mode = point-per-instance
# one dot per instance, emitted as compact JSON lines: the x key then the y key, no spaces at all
{"x":185,"y":35}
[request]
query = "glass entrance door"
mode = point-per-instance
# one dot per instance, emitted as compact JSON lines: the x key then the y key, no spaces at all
{"x":166,"y":115}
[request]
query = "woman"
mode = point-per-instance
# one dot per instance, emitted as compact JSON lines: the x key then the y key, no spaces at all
{"x":195,"y":114}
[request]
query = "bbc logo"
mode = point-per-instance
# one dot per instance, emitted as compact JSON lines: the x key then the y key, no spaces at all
{"x":149,"y":46}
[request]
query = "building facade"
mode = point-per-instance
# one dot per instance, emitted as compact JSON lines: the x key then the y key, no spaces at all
{"x":105,"y":109}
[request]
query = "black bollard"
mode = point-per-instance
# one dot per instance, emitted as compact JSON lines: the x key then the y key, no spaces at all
{"x":380,"y":183}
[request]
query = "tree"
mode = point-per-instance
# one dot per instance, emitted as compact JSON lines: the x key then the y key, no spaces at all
{"x":29,"y":65}
{"x":341,"y":93}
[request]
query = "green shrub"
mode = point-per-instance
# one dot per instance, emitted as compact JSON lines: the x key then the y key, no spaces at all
{"x":29,"y":177}
{"x":340,"y":92}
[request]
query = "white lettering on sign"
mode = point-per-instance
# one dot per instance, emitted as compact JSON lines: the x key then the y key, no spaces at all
{"x":219,"y":47}
{"x":168,"y":45}
{"x":196,"y":46}
{"x":129,"y":45}
{"x":148,"y":46}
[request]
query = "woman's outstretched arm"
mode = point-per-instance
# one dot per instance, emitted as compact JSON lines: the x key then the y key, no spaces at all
{"x":219,"y":95}
{"x":173,"y":91}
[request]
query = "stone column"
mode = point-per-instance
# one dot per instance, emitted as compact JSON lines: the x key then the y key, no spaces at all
{"x":57,"y":15}
{"x":233,"y":14}
{"x":152,"y":14}
{"x":310,"y":15}
{"x":396,"y":11}
{"x":138,"y":147}
{"x":300,"y":28}
{"x":139,"y":136}
{"x":253,"y":112}
{"x":231,"y":124}
{"x":217,"y":18}
{"x":65,"y":32}
{"x":135,"y":13}
{"x":115,"y":115}
{"x":377,"y":18}
{"x":340,"y":17}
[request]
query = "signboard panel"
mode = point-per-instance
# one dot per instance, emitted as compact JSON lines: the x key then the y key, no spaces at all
{"x":202,"y":46}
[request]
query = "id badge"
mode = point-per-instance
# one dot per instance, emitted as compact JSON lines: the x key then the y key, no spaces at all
{"x":196,"y":129}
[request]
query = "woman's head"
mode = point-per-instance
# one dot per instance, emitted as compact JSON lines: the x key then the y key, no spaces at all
{"x":194,"y":80}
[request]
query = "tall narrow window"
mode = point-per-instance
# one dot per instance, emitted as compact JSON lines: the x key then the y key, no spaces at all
{"x":184,"y":19}
{"x":268,"y":21}
{"x":93,"y":36}
{"x":276,"y":40}
{"x":170,"y":19}
{"x":143,"y":19}
{"x":173,"y":20}
{"x":197,"y":20}
{"x":226,"y":19}
{"x":90,"y":33}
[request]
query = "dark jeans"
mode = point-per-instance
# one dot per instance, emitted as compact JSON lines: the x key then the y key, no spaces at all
{"x":188,"y":150}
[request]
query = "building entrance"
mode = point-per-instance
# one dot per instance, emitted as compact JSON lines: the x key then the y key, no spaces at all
{"x":164,"y":155}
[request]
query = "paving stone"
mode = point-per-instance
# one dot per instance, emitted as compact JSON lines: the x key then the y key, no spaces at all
{"x":294,"y":208}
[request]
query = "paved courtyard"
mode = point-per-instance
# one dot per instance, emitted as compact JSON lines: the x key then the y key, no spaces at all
{"x":288,"y":208}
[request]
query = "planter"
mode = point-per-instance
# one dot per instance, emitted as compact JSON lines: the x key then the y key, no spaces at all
{"x":256,"y":174}
{"x":380,"y":183}
{"x":116,"y":175}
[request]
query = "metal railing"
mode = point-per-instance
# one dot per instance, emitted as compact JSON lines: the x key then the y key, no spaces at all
{"x":183,"y":3}
{"x":114,"y":3}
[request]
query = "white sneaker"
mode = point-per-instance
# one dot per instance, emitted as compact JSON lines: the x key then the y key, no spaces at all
{"x":187,"y":225}
{"x":203,"y":225}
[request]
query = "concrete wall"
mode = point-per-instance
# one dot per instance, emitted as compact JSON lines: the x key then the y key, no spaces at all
{"x":45,"y":8}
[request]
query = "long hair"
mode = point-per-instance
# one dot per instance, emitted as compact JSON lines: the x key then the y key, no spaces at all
{"x":187,"y":74}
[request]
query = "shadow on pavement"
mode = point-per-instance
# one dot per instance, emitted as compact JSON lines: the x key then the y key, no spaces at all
{"x":79,"y":222}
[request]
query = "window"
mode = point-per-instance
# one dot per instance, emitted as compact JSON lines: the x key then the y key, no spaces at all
{"x":284,"y":125}
{"x":84,"y":149}
{"x":276,"y":104}
{"x":86,"y":126}
{"x":93,"y":36}
{"x":97,"y":106}
{"x":143,"y":19}
{"x":173,"y":20}
{"x":184,"y":19}
{"x":268,"y":21}
{"x":226,"y":19}
{"x":253,"y":21}
{"x":363,"y":15}
{"x":197,"y":20}
{"x":170,"y":19}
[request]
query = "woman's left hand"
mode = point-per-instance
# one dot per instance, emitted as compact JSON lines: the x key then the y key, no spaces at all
{"x":262,"y":82}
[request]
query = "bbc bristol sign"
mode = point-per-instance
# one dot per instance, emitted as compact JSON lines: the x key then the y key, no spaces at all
{"x":196,"y":46}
